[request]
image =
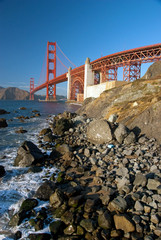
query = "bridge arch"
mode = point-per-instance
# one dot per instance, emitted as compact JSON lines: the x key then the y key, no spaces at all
{"x":76,"y":87}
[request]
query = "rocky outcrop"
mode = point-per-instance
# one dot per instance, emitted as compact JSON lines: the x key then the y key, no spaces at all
{"x":154,"y":71}
{"x":28,"y":154}
{"x":137,"y":104}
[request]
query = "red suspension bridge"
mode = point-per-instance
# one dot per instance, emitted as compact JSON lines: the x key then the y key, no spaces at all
{"x":58,"y":69}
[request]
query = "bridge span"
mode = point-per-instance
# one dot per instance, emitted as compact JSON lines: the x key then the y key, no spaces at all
{"x":94,"y":77}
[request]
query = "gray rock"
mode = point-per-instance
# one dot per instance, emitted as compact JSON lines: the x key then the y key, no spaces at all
{"x":99,"y":131}
{"x":45,"y":190}
{"x":140,"y":180}
{"x":121,"y":133}
{"x":138,"y":206}
{"x":28,"y":154}
{"x":122,"y":171}
{"x":131,"y":138}
{"x":153,"y":184}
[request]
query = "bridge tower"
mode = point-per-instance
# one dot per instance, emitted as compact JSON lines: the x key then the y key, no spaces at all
{"x":51,"y":70}
{"x":31,"y":88}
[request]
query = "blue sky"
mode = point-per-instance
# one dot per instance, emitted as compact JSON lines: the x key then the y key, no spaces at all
{"x":82,"y":28}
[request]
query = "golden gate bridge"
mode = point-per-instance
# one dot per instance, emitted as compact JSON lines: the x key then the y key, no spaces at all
{"x":57,"y":69}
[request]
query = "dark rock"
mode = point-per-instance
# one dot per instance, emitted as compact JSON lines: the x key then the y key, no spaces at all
{"x":105,"y":220}
{"x":58,"y":213}
{"x":45,"y":191}
{"x":18,"y":235}
{"x":87,"y":224}
{"x":28,"y":154}
{"x":35,"y":169}
{"x":23,"y":108}
{"x":39,"y":236}
{"x":61,"y":126}
{"x":2,"y":171}
{"x":74,"y":201}
{"x":17,"y":218}
{"x":3,"y":123}
{"x":89,"y":205}
{"x":99,"y":131}
{"x":67,"y":217}
{"x":28,"y":204}
{"x":56,"y":227}
{"x":2,"y":111}
{"x":21,"y":130}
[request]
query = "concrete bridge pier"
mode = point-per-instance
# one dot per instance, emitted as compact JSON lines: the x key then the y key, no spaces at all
{"x":69,"y":83}
{"x":88,"y":76}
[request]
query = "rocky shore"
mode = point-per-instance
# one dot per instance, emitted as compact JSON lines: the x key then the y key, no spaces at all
{"x":108,"y":184}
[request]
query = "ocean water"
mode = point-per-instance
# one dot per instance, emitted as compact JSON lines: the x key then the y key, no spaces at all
{"x":18,"y":184}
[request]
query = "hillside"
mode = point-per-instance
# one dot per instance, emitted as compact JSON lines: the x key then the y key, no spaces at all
{"x":137,"y":104}
{"x":13,"y":93}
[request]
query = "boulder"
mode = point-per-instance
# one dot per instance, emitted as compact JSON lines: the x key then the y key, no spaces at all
{"x":121,"y":133}
{"x":28,"y":204}
{"x":2,"y":171}
{"x":45,"y":190}
{"x":99,"y":132}
{"x":3,"y":123}
{"x":28,"y":154}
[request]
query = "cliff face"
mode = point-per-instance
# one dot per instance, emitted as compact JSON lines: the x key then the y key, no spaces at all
{"x":12,"y":93}
{"x":137,"y":104}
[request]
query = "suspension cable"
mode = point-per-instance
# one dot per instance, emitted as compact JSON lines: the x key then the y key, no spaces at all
{"x":66,"y":56}
{"x":61,"y":62}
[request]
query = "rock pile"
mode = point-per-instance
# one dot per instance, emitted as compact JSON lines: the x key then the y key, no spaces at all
{"x":109,"y":188}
